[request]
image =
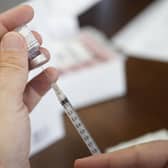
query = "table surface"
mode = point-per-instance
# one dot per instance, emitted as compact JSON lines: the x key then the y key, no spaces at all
{"x":142,"y":110}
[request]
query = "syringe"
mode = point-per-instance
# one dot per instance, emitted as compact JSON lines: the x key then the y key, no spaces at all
{"x":77,"y":123}
{"x":69,"y":110}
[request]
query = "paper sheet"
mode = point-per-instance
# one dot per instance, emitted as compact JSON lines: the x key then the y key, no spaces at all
{"x":46,"y":123}
{"x":147,"y":35}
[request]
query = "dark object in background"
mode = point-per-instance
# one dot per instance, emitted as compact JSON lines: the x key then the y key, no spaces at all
{"x":110,"y":16}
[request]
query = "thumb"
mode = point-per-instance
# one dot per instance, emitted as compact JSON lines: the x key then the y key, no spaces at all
{"x":13,"y":63}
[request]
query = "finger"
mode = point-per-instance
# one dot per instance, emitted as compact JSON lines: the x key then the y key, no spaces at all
{"x":13,"y":64}
{"x":45,"y":52}
{"x":38,"y":87}
{"x":14,"y":18}
{"x":38,"y":37}
{"x":147,"y":155}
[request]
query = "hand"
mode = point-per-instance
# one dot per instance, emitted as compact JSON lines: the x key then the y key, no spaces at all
{"x":17,"y":97}
{"x":149,"y":155}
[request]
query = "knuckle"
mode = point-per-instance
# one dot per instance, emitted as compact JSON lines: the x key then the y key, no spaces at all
{"x":13,"y":60}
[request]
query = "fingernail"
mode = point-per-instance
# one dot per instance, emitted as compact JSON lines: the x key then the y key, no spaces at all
{"x":13,"y":41}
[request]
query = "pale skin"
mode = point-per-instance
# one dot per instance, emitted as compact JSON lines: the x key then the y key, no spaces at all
{"x":18,"y":98}
{"x":149,"y":155}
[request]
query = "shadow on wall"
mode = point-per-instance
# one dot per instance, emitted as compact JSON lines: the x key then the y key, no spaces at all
{"x":6,"y":4}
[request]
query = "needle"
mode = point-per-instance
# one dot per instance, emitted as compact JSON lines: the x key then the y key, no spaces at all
{"x":74,"y":118}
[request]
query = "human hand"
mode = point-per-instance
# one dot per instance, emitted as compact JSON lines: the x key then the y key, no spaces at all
{"x":149,"y":155}
{"x":17,"y":97}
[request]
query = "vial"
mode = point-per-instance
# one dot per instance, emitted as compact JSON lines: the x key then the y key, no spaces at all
{"x":36,"y":58}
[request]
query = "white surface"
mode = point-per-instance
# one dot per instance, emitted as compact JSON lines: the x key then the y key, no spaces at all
{"x":147,"y":35}
{"x":50,"y":23}
{"x":95,"y":84}
{"x":70,"y":7}
{"x":153,"y":136}
{"x":58,"y":18}
{"x":46,"y":123}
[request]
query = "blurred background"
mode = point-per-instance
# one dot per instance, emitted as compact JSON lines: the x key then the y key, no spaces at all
{"x":112,"y":56}
{"x":9,"y":4}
